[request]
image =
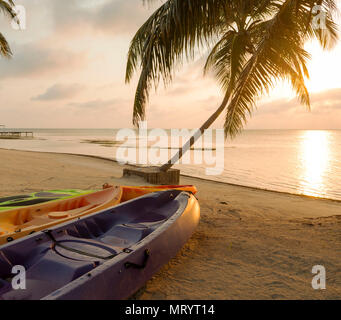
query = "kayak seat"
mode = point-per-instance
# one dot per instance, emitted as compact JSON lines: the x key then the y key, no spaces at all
{"x":125,"y":234}
{"x":47,"y":274}
{"x":149,"y":217}
{"x":151,"y":224}
{"x":114,"y":234}
{"x":85,"y":229}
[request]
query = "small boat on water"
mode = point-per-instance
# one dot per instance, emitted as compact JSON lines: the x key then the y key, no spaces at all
{"x":23,"y":220}
{"x":105,"y":255}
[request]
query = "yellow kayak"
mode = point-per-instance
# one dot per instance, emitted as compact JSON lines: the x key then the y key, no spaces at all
{"x":22,"y":221}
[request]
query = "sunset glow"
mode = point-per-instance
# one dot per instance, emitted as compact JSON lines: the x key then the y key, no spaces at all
{"x":69,"y":67}
{"x":314,"y":159}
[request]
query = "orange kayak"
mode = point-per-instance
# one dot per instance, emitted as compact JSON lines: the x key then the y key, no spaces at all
{"x":19,"y":222}
{"x":132,"y":192}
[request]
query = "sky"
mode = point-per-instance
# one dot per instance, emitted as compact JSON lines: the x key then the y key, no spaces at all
{"x":68,"y":71}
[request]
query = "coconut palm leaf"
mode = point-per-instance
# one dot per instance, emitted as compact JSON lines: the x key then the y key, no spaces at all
{"x":280,"y":55}
{"x":6,"y":7}
{"x":231,"y":52}
{"x":173,"y":32}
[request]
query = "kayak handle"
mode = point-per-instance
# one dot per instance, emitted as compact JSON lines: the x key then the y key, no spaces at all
{"x":139,"y":266}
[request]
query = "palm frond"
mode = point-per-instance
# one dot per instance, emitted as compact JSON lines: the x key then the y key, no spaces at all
{"x":280,"y":55}
{"x":5,"y":49}
{"x":219,"y":59}
{"x":6,"y":7}
{"x":228,"y":58}
{"x":172,"y":33}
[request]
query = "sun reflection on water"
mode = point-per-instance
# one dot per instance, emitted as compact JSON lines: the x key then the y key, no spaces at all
{"x":315,"y":160}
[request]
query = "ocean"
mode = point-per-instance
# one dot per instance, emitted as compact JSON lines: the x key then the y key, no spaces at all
{"x":295,"y":161}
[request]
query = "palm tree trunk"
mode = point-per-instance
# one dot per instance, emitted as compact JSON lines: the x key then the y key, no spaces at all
{"x":187,"y":146}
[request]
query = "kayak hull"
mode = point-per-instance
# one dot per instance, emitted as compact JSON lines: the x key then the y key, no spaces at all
{"x":123,"y":274}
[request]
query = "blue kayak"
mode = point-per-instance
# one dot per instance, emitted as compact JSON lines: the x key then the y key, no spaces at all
{"x":106,"y":255}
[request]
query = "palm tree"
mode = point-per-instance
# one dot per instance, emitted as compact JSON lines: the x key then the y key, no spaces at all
{"x":6,"y":7}
{"x":253,"y":44}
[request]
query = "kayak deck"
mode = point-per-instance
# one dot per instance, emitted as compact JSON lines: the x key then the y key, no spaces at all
{"x":22,"y":221}
{"x":12,"y":202}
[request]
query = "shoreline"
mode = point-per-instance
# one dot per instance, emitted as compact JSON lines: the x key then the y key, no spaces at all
{"x":250,"y":243}
{"x":182,"y":175}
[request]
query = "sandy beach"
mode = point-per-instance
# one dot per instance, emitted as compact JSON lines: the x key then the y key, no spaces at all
{"x":250,"y":244}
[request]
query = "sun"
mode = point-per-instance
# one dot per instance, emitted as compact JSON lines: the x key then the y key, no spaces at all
{"x":324,"y":68}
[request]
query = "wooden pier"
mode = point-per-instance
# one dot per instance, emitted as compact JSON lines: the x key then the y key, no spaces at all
{"x":16,"y":134}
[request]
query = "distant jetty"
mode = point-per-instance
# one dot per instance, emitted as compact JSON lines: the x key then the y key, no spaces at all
{"x":9,"y":134}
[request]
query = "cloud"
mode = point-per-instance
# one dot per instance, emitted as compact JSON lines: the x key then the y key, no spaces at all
{"x":321,"y":102}
{"x":118,"y":16}
{"x":326,"y":101}
{"x":325,"y":113}
{"x":32,"y":60}
{"x":59,"y":92}
{"x":113,"y":17}
{"x":98,"y":104}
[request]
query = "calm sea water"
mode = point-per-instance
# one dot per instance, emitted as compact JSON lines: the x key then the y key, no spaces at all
{"x":302,"y":162}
